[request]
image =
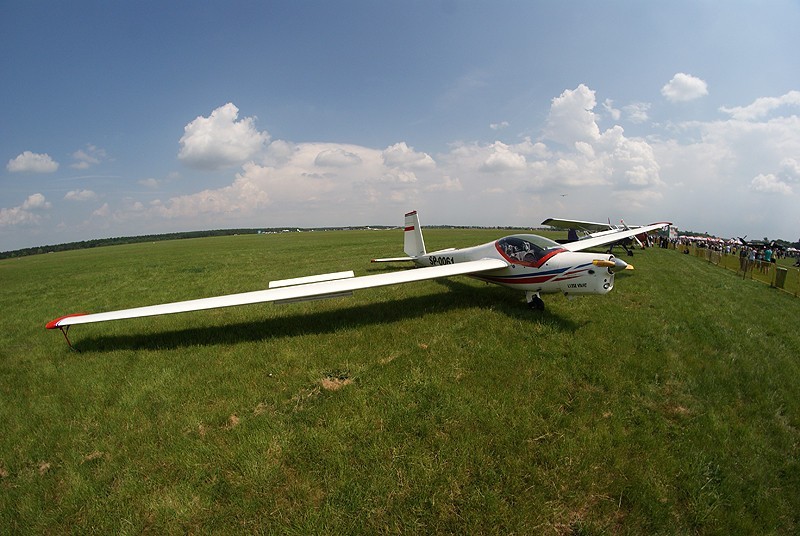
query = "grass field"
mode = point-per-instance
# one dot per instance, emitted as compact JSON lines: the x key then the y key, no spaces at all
{"x":669,"y":406}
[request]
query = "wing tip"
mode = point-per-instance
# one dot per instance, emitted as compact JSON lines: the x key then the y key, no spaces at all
{"x":53,"y":324}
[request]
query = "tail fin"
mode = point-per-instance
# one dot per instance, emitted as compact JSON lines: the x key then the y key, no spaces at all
{"x":413,"y":244}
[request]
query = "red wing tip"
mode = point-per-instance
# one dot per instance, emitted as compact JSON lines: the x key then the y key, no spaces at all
{"x":53,"y":324}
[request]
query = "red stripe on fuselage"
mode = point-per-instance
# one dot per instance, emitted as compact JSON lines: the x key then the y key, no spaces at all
{"x":516,"y":280}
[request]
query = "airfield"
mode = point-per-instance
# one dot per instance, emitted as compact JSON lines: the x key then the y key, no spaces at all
{"x":670,"y":405}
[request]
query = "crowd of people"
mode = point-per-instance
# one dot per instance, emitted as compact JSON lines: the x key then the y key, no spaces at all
{"x":751,"y":255}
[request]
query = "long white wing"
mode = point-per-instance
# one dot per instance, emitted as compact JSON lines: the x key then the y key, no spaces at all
{"x":612,"y":237}
{"x":288,"y":293}
{"x":589,"y":226}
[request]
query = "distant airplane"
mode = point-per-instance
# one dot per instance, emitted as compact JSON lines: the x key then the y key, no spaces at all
{"x":527,"y":262}
{"x":592,"y":229}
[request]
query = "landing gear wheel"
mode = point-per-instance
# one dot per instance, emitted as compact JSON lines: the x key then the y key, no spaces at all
{"x":536,"y":304}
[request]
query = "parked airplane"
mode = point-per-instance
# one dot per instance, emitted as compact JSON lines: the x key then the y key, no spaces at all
{"x":527,"y":262}
{"x":590,"y":229}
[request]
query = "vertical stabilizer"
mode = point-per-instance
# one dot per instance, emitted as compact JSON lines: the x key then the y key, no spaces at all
{"x":413,"y":244}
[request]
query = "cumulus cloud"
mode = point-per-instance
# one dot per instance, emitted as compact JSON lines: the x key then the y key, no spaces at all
{"x":572,"y":117}
{"x":102,"y":212}
{"x":29,"y":162}
{"x":90,"y":156}
{"x":499,"y":126}
{"x":637,"y":112}
{"x":28,"y":213}
{"x":770,"y":184}
{"x":336,"y":183}
{"x":684,"y":87}
{"x":791,"y":168}
{"x":337,"y":158}
{"x":763,"y":106}
{"x":503,"y":158}
{"x":80,"y":195}
{"x":150,"y":182}
{"x":592,"y":157}
{"x":615,"y":113}
{"x":402,"y":156}
{"x":221,"y":140}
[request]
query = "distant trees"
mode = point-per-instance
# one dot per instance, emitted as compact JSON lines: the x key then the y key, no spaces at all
{"x":115,"y":241}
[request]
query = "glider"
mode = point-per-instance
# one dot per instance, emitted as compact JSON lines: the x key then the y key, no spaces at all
{"x":527,"y":262}
{"x":591,"y":229}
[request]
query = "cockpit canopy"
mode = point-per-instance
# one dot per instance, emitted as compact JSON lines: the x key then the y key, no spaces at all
{"x":526,"y":248}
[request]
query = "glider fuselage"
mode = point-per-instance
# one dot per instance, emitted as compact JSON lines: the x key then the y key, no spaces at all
{"x":535,"y":264}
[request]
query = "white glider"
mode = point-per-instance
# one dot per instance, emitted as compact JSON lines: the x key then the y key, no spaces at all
{"x":531,"y":263}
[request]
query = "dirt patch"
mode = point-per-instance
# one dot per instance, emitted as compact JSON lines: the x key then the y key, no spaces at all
{"x":388,"y":359}
{"x":233,"y":421}
{"x":93,"y":456}
{"x":334,"y":384}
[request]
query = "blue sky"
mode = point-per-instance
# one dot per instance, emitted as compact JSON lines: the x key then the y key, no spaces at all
{"x":148,"y":117}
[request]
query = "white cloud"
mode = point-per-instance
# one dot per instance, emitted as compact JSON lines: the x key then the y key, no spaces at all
{"x":499,"y":126}
{"x":762,"y":106}
{"x":770,"y":184}
{"x":80,"y":195}
{"x":149,"y":183}
{"x":336,"y":158}
{"x":615,"y":113}
{"x":28,"y":213}
{"x":791,"y":168}
{"x":220,"y":141}
{"x":29,"y":162}
{"x":448,"y":184}
{"x":572,"y":117}
{"x":89,"y":157}
{"x":684,"y":87}
{"x":694,"y":172}
{"x":102,"y":212}
{"x":637,"y":112}
{"x":402,"y":156}
{"x":502,"y":158}
{"x":36,"y":202}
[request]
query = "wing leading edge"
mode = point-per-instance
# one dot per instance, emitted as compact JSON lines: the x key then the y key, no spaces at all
{"x":288,"y":293}
{"x":612,"y":237}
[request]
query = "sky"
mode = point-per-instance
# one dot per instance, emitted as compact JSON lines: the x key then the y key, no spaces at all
{"x":131,"y":118}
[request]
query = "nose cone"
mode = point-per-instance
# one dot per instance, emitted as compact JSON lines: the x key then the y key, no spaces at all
{"x":620,"y":265}
{"x":613,"y":264}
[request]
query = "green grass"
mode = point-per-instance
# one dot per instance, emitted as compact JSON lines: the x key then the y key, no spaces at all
{"x":671,"y":405}
{"x":757,"y":271}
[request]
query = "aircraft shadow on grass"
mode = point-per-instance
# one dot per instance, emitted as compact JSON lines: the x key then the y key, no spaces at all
{"x":459,"y":296}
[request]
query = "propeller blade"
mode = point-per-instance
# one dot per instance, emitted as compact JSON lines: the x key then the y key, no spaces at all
{"x":615,"y":265}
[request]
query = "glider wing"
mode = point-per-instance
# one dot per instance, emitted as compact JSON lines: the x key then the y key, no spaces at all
{"x":290,"y":290}
{"x":588,"y":226}
{"x":610,"y":238}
